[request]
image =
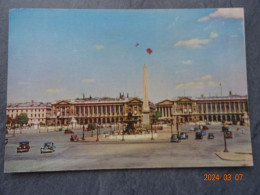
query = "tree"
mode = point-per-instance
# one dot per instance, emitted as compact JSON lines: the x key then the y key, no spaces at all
{"x":8,"y":120}
{"x":22,"y":119}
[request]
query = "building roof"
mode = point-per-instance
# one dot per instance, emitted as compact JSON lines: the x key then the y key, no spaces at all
{"x":212,"y":98}
{"x":29,"y":104}
{"x":94,"y":100}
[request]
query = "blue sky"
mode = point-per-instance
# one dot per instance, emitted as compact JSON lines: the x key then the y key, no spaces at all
{"x":60,"y":54}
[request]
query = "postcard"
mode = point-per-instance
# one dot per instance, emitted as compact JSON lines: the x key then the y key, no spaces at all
{"x":122,"y":89}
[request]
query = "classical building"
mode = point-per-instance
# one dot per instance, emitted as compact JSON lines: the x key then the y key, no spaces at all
{"x":36,"y":111}
{"x":218,"y":108}
{"x":96,"y":110}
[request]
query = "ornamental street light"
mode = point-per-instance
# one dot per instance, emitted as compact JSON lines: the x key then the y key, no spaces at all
{"x":225,"y":141}
{"x":83,"y":133}
{"x":123,"y":136}
{"x":152,"y":131}
{"x":171,"y":123}
{"x":97,"y":140}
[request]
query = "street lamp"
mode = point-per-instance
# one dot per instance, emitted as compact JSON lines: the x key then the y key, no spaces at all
{"x":83,"y":134}
{"x":152,"y":131}
{"x":225,"y":141}
{"x":123,"y":136}
{"x":97,"y":140}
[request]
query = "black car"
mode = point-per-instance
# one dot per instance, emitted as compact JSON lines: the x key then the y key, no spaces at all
{"x":211,"y":136}
{"x":198,"y":135}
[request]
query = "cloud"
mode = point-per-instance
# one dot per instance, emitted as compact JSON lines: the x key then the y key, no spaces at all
{"x":186,"y":62}
{"x":22,"y":83}
{"x":99,"y":47}
{"x":53,"y":90}
{"x":87,"y":80}
{"x":213,"y":35}
{"x":199,"y":83}
{"x":196,"y":43}
{"x":234,"y":13}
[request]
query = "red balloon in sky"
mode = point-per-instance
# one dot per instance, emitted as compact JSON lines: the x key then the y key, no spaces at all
{"x":149,"y":51}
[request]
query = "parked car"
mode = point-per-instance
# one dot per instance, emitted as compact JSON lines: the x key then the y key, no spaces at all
{"x":211,"y":136}
{"x":203,"y":132}
{"x":23,"y":146}
{"x":198,"y":135}
{"x":191,"y":128}
{"x":6,"y":141}
{"x":68,"y":131}
{"x":205,"y":128}
{"x":196,"y":128}
{"x":174,"y":138}
{"x":48,"y":147}
{"x":74,"y":138}
{"x":228,"y":134}
{"x":183,"y":135}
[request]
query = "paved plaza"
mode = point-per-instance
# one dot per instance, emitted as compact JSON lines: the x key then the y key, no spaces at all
{"x":139,"y":153}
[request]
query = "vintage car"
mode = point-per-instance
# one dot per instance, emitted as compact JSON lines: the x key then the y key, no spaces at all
{"x":74,"y":138}
{"x":228,"y":134}
{"x":211,"y":136}
{"x":48,"y":147}
{"x":198,"y":135}
{"x":23,"y":146}
{"x":174,"y":138}
{"x":203,"y":132}
{"x":67,"y":131}
{"x":205,"y":128}
{"x":183,"y":135}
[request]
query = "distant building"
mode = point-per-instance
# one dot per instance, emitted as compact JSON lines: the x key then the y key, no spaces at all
{"x":96,"y":110}
{"x":219,"y":108}
{"x":36,"y":111}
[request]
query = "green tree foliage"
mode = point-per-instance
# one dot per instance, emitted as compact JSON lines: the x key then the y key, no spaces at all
{"x":22,"y":119}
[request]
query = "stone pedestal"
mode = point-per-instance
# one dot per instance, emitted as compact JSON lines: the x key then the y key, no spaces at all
{"x":146,"y":119}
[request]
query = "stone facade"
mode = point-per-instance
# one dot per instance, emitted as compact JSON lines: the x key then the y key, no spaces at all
{"x":96,"y":110}
{"x":221,"y":108}
{"x":34,"y":110}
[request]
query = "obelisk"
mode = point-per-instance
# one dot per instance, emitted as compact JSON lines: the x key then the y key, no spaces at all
{"x":146,"y":107}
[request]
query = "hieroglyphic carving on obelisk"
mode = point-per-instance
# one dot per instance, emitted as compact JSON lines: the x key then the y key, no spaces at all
{"x":146,"y":107}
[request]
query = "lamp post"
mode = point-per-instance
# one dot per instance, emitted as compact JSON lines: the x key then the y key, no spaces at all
{"x":97,"y":140}
{"x":225,"y":141}
{"x":123,"y":136}
{"x":83,"y":133}
{"x":152,"y":131}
